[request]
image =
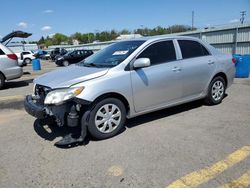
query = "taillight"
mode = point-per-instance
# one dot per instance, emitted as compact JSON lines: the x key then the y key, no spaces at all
{"x":234,"y":60}
{"x":12,"y":56}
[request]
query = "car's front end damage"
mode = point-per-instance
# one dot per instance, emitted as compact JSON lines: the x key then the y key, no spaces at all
{"x":55,"y":97}
{"x":60,"y":105}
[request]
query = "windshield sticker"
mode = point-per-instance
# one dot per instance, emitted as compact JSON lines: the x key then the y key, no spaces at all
{"x":124,"y":52}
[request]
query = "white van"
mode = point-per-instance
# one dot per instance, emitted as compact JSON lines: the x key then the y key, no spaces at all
{"x":9,"y":68}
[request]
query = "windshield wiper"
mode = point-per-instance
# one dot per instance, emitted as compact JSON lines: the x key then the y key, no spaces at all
{"x":90,"y":65}
{"x":96,"y":65}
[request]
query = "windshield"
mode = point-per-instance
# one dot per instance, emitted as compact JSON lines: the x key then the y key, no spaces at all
{"x":113,"y":54}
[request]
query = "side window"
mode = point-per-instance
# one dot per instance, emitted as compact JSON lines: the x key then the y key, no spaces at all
{"x":159,"y":52}
{"x":190,"y":49}
{"x":1,"y":52}
{"x":205,"y":52}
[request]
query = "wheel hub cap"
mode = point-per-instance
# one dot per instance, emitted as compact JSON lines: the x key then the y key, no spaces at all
{"x":217,"y":90}
{"x":107,"y":118}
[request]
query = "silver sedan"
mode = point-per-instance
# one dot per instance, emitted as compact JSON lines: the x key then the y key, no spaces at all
{"x":130,"y":78}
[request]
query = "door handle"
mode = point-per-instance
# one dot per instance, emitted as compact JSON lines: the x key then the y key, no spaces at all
{"x":175,"y":69}
{"x":210,"y":62}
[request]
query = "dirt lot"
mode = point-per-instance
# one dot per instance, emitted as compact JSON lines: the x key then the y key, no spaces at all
{"x":186,"y":146}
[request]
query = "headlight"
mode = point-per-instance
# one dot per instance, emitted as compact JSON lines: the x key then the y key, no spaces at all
{"x":60,"y":95}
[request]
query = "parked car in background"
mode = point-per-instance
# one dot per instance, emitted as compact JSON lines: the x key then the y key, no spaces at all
{"x":131,"y":78}
{"x":9,"y":68}
{"x":40,"y":54}
{"x":57,"y":52}
{"x":73,"y":57}
{"x":45,"y":56}
{"x":25,"y":57}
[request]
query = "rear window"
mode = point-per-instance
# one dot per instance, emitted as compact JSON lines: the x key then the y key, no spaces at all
{"x":190,"y":49}
{"x":1,"y":52}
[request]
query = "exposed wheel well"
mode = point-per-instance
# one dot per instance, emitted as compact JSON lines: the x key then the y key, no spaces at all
{"x":2,"y":74}
{"x":27,"y":58}
{"x":223,"y":75}
{"x":114,"y":95}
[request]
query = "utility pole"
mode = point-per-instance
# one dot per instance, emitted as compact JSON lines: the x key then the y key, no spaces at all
{"x":243,"y":14}
{"x":142,"y":30}
{"x":192,"y":20}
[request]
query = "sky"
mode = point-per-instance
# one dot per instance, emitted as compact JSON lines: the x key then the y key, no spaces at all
{"x":46,"y":17}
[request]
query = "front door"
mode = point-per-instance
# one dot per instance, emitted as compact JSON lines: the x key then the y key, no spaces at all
{"x":158,"y":84}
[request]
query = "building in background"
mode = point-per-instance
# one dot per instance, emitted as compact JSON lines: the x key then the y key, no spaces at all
{"x":19,"y":47}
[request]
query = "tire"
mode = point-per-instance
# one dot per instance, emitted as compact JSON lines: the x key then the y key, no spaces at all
{"x":24,"y":64}
{"x":102,"y":126}
{"x":2,"y":81}
{"x":27,"y":61}
{"x":65,"y":63}
{"x":216,"y":91}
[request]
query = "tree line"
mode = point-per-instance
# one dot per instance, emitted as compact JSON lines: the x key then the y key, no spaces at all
{"x":84,"y":38}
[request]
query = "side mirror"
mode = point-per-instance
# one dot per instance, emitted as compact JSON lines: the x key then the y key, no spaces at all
{"x":142,"y":62}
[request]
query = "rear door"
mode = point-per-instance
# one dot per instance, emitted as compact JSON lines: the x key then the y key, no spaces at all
{"x":74,"y":57}
{"x":83,"y":55}
{"x":198,"y":65}
{"x":158,"y":84}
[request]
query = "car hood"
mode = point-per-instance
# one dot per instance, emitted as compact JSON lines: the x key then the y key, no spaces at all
{"x":66,"y":77}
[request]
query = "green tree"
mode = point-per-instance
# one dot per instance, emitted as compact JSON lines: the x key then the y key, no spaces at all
{"x":84,"y":38}
{"x":41,"y":41}
{"x":78,"y":36}
{"x":59,"y":38}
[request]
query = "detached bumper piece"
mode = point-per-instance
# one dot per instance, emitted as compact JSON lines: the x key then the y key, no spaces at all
{"x":33,"y":108}
{"x":71,"y":139}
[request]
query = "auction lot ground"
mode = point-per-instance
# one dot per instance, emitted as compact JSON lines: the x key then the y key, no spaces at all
{"x":189,"y":145}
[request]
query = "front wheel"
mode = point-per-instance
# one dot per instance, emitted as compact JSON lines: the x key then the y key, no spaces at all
{"x":65,"y":63}
{"x":107,"y":118}
{"x":216,"y":91}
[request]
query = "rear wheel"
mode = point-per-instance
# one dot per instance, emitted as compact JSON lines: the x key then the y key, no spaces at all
{"x":107,"y":118}
{"x":27,"y":61}
{"x":216,"y":91}
{"x":2,"y":81}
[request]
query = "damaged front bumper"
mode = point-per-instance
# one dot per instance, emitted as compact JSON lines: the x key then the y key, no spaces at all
{"x":33,"y":108}
{"x":68,"y":113}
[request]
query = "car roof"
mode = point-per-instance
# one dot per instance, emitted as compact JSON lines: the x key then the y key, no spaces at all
{"x":155,"y":38}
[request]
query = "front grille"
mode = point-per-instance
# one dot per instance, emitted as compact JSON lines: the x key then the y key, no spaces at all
{"x":41,"y":92}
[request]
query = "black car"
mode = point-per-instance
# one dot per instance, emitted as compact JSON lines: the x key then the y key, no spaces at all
{"x":73,"y":57}
{"x":57,"y":52}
